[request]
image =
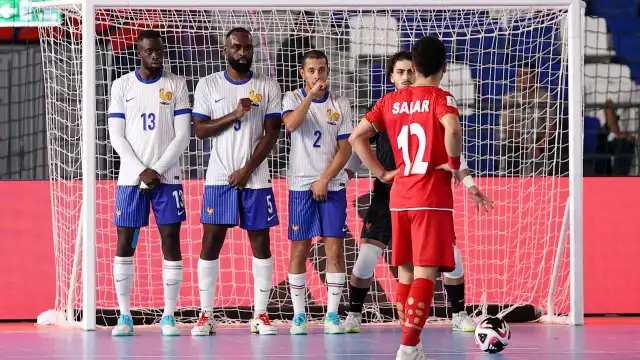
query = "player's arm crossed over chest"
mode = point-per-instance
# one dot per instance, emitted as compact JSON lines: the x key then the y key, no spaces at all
{"x":206,"y":125}
{"x":297,"y":112}
{"x":141,"y":151}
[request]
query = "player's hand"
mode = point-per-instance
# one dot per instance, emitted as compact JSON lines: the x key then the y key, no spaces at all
{"x":318,"y":89}
{"x":350,"y":173}
{"x":446,"y":167}
{"x":388,"y":176}
{"x":244,"y":105}
{"x":480,"y":199}
{"x":320,"y":188}
{"x":150,"y":178}
{"x":239,"y":178}
{"x":457,"y":178}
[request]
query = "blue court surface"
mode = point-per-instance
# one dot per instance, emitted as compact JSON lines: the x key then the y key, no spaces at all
{"x":609,"y":340}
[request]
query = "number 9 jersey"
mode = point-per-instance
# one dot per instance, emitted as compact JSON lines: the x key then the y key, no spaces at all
{"x":411,"y":117}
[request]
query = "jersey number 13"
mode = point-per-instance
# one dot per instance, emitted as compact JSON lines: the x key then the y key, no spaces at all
{"x":419,"y":166}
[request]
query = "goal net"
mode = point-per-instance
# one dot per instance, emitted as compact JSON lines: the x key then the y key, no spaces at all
{"x":507,"y":69}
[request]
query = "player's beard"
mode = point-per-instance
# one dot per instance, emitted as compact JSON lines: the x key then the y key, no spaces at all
{"x":240,"y":67}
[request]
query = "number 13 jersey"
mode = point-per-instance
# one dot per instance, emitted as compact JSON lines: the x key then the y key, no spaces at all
{"x":411,"y":117}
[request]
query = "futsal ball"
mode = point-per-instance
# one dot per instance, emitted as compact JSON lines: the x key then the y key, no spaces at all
{"x":492,"y":335}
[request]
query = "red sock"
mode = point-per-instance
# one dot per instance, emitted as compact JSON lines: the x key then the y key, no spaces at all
{"x":402,"y":292}
{"x":417,"y":310}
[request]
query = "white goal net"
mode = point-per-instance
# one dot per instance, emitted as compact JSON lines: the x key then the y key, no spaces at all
{"x":507,"y":69}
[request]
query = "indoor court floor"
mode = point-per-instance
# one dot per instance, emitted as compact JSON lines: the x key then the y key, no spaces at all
{"x":600,"y":339}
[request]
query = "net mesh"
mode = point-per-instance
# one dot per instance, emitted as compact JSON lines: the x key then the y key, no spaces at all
{"x":507,"y":70}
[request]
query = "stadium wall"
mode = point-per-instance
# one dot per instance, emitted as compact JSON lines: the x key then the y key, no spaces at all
{"x":610,"y":245}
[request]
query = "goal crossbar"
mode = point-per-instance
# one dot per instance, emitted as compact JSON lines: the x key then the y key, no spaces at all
{"x":327,"y":4}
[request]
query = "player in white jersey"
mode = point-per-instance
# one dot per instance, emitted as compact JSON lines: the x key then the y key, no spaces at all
{"x":149,"y":126}
{"x":320,"y":124}
{"x":241,"y":112}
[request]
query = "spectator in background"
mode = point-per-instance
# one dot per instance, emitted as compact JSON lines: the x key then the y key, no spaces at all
{"x":528,"y":127}
{"x":623,"y":128}
{"x":291,"y":51}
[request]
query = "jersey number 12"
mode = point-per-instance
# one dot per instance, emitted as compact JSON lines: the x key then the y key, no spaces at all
{"x":419,"y":166}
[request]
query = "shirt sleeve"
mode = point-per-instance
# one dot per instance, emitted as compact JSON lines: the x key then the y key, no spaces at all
{"x":116,"y":102}
{"x":202,"y":101}
{"x":183,"y":105}
{"x":376,"y":115}
{"x":289,"y":102}
{"x":346,"y":126}
{"x":446,"y":104}
{"x":274,"y":106}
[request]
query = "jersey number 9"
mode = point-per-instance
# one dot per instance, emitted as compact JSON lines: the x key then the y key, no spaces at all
{"x":419,"y":166}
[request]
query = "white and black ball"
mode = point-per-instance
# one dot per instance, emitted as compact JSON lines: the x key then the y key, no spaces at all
{"x":492,"y":335}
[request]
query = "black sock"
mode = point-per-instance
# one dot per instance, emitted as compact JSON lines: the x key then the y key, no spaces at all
{"x":356,"y":298}
{"x":455,"y":293}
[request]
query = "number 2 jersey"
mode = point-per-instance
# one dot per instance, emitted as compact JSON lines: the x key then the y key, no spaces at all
{"x":411,"y":116}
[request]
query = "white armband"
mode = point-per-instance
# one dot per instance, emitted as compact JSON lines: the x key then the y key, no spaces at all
{"x":468,"y":182}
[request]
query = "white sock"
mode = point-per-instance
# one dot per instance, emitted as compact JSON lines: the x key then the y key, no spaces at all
{"x":207,"y":276}
{"x":297,"y":284}
{"x":335,"y":282}
{"x":262,"y":274}
{"x":171,"y":279}
{"x":123,"y":272}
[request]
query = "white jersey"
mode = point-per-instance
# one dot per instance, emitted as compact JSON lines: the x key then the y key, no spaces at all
{"x":314,"y":143}
{"x":148,"y":109}
{"x":216,"y":96}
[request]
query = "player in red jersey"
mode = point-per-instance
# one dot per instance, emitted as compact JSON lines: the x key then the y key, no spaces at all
{"x":424,"y":128}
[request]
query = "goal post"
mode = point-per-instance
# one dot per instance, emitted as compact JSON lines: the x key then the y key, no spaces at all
{"x":74,"y":68}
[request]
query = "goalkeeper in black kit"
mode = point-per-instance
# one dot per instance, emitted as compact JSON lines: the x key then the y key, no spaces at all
{"x":376,"y":231}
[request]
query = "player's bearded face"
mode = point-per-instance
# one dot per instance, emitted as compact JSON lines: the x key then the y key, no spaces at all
{"x":240,"y":56}
{"x":402,"y":74}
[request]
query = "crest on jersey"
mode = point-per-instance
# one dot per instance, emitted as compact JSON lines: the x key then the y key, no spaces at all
{"x":255,"y":98}
{"x":165,"y":97}
{"x":333,"y":116}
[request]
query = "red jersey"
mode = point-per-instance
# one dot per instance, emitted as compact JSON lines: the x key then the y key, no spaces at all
{"x":411,"y":117}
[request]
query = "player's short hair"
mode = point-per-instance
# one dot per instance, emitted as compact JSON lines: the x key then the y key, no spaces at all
{"x":313,"y":54}
{"x":149,"y":34}
{"x":428,"y":55}
{"x":399,"y":56}
{"x":240,"y":30}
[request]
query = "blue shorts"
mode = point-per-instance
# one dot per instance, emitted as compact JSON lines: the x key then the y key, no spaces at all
{"x":223,"y":205}
{"x":132,"y":208}
{"x":309,"y":218}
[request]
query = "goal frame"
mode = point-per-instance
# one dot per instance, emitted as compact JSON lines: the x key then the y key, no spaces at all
{"x":575,"y":56}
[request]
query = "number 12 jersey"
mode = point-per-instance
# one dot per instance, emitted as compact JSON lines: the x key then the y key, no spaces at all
{"x":411,"y":117}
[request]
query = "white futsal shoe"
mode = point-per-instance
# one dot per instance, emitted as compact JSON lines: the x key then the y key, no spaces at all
{"x":352,"y":323}
{"x":462,"y":322}
{"x":124,"y":327}
{"x":262,"y":325}
{"x":206,"y":325}
{"x":414,"y":354}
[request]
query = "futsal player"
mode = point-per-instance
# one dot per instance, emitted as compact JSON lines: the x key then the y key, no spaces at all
{"x":376,"y":231}
{"x":423,"y":125}
{"x":241,"y":112}
{"x":149,"y":126}
{"x":320,"y":124}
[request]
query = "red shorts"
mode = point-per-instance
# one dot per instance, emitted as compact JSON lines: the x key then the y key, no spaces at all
{"x":423,"y":238}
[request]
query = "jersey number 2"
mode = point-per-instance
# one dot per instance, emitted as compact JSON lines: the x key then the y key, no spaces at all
{"x":148,"y":121}
{"x":419,"y":166}
{"x":318,"y":135}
